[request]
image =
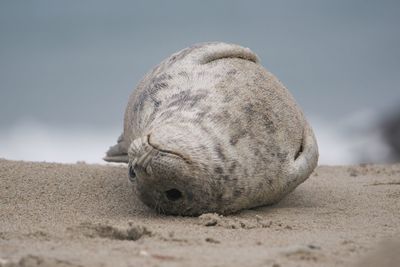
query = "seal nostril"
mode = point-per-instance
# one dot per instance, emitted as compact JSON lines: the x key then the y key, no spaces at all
{"x":173,"y":194}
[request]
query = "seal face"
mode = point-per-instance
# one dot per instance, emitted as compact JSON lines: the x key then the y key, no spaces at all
{"x":210,"y":130}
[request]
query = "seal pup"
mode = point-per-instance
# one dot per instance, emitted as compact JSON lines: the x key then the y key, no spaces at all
{"x":210,"y":130}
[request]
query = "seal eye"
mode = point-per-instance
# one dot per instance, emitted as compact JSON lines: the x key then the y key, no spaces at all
{"x":132,"y":174}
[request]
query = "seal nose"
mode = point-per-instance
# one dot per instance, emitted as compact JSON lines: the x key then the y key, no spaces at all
{"x":173,"y":194}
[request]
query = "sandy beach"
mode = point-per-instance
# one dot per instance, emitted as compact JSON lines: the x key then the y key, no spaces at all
{"x":87,"y":215}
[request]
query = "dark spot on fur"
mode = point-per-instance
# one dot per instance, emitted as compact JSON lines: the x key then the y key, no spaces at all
{"x":270,"y":126}
{"x":218,"y":170}
{"x":221,"y":117}
{"x":183,"y":74}
{"x":203,"y":147}
{"x":205,"y":129}
{"x":173,"y":58}
{"x":199,"y":116}
{"x":150,"y":93}
{"x":158,"y":86}
{"x":237,"y":193}
{"x":227,"y":98}
{"x":239,"y":130}
{"x":156,"y":103}
{"x":249,"y":110}
{"x":220,"y":152}
{"x":268,"y":123}
{"x":178,"y":98}
{"x":187,"y":99}
{"x":226,"y":115}
{"x":167,"y":114}
{"x":142,"y":99}
{"x":226,"y":177}
{"x":180,"y":55}
{"x":160,"y":79}
{"x":232,"y":167}
{"x":234,"y":140}
{"x":216,"y":118}
{"x":237,"y":136}
{"x":232,"y":72}
{"x":257,"y":152}
{"x":282,"y":156}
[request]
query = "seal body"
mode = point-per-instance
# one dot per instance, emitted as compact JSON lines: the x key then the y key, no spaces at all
{"x":210,"y":130}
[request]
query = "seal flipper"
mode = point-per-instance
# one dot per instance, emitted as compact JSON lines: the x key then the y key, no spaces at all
{"x":305,"y":160}
{"x":209,"y":52}
{"x":118,"y":152}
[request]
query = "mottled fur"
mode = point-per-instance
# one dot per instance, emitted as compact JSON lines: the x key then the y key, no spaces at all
{"x":211,"y":122}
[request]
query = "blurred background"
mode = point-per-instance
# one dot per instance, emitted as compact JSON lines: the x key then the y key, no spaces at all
{"x":67,"y":68}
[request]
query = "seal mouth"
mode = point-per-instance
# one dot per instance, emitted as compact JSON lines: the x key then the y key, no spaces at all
{"x":173,"y":194}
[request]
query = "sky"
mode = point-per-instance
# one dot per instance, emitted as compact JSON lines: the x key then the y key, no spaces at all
{"x":67,"y":67}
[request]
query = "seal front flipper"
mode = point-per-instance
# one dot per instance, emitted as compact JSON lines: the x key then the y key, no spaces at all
{"x":305,"y":160}
{"x":118,"y":152}
{"x":213,"y":51}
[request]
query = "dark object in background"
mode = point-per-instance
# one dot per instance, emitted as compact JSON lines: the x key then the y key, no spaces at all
{"x":391,"y":134}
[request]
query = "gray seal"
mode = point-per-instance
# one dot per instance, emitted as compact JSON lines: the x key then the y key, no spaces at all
{"x":211,"y":130}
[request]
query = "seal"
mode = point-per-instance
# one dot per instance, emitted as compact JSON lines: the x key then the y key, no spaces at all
{"x":211,"y":130}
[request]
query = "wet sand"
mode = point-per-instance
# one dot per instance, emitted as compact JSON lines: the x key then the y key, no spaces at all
{"x":87,"y":215}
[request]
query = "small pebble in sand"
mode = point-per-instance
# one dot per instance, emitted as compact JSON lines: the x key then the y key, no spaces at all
{"x":209,"y":219}
{"x":212,"y":240}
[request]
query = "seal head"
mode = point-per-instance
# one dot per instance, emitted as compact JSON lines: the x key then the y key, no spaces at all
{"x":210,"y":130}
